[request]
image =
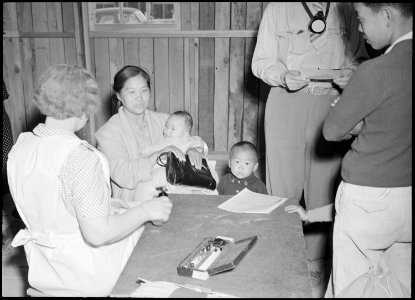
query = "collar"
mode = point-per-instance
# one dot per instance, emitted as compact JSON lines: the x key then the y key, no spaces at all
{"x":145,"y":119}
{"x":42,"y":130}
{"x":407,"y":36}
{"x":246,"y":178}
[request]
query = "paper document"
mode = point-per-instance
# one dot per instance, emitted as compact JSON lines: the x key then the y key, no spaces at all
{"x":164,"y":289}
{"x":247,"y":201}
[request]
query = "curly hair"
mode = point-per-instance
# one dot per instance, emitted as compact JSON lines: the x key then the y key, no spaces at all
{"x":66,"y":91}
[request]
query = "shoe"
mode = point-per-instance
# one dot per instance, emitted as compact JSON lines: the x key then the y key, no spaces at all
{"x":315,"y":278}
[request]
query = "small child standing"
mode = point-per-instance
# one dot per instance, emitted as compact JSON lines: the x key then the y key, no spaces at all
{"x":243,"y":162}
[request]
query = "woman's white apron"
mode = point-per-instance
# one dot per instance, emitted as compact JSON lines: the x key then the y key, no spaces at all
{"x":60,"y":261}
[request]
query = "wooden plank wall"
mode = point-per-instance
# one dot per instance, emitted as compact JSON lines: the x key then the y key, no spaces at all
{"x":205,"y":73}
{"x":36,"y":36}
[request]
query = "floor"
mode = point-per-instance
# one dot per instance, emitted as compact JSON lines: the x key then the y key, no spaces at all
{"x":14,"y":265}
{"x":14,"y":274}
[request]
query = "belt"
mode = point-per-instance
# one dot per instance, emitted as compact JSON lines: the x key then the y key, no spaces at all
{"x":317,"y":90}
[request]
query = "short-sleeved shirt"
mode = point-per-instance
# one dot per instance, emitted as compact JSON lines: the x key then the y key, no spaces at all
{"x":81,"y":180}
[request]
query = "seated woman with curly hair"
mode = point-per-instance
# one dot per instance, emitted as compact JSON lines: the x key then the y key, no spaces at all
{"x":77,"y":238}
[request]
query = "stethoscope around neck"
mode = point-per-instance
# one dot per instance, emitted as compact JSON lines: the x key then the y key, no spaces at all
{"x":318,"y":21}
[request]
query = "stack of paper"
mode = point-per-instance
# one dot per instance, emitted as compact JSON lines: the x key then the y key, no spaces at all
{"x":247,"y":201}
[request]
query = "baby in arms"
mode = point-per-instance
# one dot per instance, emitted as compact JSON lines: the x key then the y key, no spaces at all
{"x":176,"y":133}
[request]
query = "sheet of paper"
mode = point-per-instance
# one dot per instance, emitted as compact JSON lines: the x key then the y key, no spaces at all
{"x":247,"y":201}
{"x":164,"y":289}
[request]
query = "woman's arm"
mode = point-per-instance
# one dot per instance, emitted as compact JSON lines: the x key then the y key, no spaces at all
{"x":115,"y":227}
{"x":126,"y":171}
{"x":87,"y":196}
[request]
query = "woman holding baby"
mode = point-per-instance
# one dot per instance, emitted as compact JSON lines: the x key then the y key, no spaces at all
{"x":127,"y":134}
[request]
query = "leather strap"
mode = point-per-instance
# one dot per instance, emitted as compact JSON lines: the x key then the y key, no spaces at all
{"x":309,"y":11}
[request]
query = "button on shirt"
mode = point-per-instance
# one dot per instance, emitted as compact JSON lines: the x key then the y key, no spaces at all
{"x":283,"y":41}
{"x":142,"y":133}
{"x":231,"y":185}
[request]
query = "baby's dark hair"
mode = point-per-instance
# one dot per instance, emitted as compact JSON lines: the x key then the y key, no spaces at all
{"x":187,"y":118}
{"x":247,"y":146}
{"x":406,"y":9}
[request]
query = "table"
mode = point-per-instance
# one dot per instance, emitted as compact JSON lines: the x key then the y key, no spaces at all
{"x":275,"y":267}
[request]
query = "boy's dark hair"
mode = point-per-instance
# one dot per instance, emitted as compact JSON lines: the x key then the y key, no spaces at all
{"x":246,"y":146}
{"x":406,"y":9}
{"x":187,"y":118}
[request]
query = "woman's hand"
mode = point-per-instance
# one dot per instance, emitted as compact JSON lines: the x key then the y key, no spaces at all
{"x":297,"y":209}
{"x":195,"y":158}
{"x":158,"y":209}
{"x":294,"y":81}
{"x":343,"y":78}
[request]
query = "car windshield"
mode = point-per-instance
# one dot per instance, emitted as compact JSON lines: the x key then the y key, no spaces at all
{"x":111,"y":16}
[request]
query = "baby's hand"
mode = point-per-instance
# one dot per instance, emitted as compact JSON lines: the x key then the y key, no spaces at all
{"x":298,"y":209}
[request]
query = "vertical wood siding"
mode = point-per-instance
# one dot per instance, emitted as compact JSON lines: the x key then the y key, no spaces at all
{"x":208,"y":76}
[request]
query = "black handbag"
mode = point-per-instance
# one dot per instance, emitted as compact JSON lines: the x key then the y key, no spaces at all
{"x":183,"y":173}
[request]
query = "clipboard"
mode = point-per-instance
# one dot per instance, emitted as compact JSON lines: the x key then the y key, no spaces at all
{"x":321,"y":75}
{"x":321,"y":80}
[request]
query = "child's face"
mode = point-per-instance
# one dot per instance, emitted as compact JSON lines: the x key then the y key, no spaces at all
{"x":242,"y":163}
{"x":175,"y":127}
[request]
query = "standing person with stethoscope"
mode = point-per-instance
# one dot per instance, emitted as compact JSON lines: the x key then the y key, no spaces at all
{"x":306,"y":52}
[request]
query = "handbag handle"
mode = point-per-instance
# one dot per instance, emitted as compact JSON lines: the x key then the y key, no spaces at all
{"x":159,"y":161}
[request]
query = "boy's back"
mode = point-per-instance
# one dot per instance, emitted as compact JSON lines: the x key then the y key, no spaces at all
{"x":381,"y":92}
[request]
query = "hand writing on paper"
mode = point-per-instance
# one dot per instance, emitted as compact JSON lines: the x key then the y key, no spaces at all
{"x":297,"y":209}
